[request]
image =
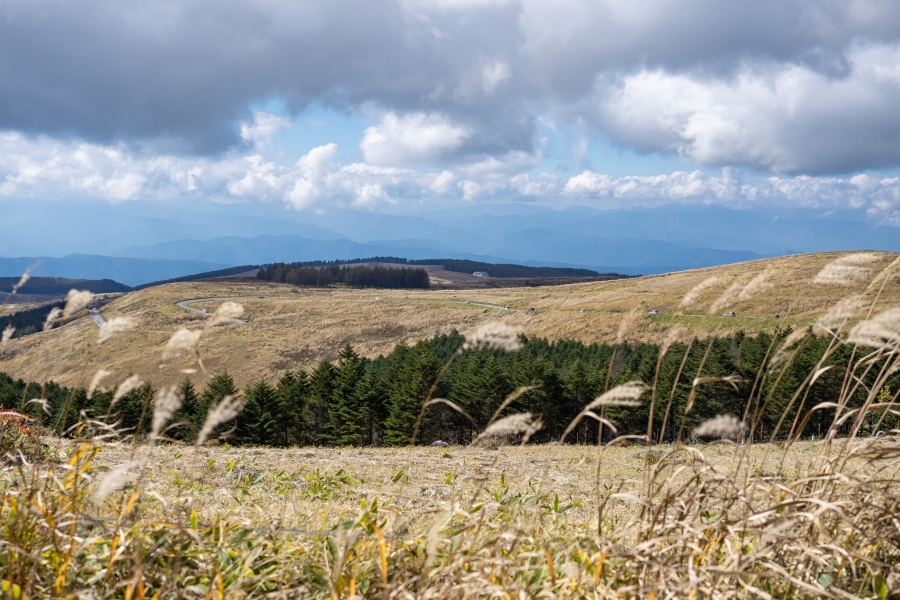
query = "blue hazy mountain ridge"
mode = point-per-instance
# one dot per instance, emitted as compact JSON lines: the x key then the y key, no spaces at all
{"x":130,"y":271}
{"x":45,"y":228}
{"x":534,"y":246}
{"x":286,"y":248}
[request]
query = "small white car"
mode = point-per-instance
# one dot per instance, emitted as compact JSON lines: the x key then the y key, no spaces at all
{"x":730,"y":314}
{"x":505,"y":308}
{"x":582,"y":310}
{"x":467,"y":302}
{"x":653,"y":312}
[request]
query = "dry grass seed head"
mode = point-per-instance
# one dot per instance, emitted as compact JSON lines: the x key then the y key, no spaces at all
{"x":520,"y":423}
{"x":117,"y":478}
{"x":182,"y":341}
{"x":722,"y":427}
{"x":789,"y":342}
{"x":115,"y":327}
{"x":42,"y":402}
{"x":495,"y":336}
{"x":165,"y":404}
{"x":7,"y":334}
{"x":729,"y":297}
{"x":672,"y":336}
{"x":95,"y":382}
{"x":76,"y":300}
{"x":25,"y":276}
{"x":627,"y":394}
{"x":698,"y":289}
{"x":130,"y":384}
{"x":624,"y":326}
{"x":53,"y":316}
{"x":224,"y":411}
{"x":881,"y":331}
{"x":758,"y":283}
{"x":838,"y":314}
{"x":847,"y":270}
{"x":225,"y":314}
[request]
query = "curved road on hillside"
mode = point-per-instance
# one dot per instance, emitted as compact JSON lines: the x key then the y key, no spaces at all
{"x":95,"y":315}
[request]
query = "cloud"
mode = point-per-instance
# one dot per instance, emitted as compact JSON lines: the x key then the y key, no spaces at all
{"x":415,"y":138}
{"x":785,"y":85}
{"x":264,"y":125}
{"x":784,"y":118}
{"x":47,"y":167}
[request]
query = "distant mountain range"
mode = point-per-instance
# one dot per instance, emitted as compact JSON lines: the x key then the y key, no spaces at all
{"x":130,"y":271}
{"x":137,"y":242}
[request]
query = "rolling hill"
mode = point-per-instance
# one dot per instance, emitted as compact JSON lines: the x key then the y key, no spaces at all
{"x":292,"y":328}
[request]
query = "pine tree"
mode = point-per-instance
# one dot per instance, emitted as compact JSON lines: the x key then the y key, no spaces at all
{"x":346,"y":423}
{"x":187,"y":419}
{"x":321,"y":383}
{"x":411,"y":375}
{"x":261,"y":420}
{"x":293,"y":389}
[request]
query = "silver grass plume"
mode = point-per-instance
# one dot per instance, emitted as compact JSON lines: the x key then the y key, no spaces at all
{"x":721,"y":427}
{"x":730,"y":296}
{"x":130,"y":384}
{"x":95,"y":382}
{"x":226,"y":313}
{"x":881,"y":331}
{"x":224,"y":411}
{"x":75,"y":301}
{"x":115,"y":327}
{"x":7,"y":334}
{"x":624,"y":326}
{"x":671,"y":337}
{"x":42,"y":402}
{"x":182,"y":341}
{"x":25,"y":276}
{"x":495,"y":336}
{"x":117,"y":478}
{"x":847,"y":270}
{"x":789,"y":342}
{"x":838,"y":314}
{"x":54,"y":316}
{"x":627,"y":394}
{"x":758,"y":283}
{"x":165,"y":404}
{"x":698,"y":289}
{"x":520,"y":423}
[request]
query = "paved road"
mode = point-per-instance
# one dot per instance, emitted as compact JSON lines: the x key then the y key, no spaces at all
{"x":95,"y":315}
{"x":186,"y":304}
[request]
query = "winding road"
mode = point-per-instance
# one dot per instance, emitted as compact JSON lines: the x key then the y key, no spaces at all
{"x":95,"y":315}
{"x":186,"y":304}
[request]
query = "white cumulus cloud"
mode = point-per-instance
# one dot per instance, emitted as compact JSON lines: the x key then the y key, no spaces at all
{"x":412,"y":138}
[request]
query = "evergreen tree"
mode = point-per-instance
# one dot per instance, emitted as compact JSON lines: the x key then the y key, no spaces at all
{"x":411,"y":375}
{"x":187,"y":419}
{"x":346,"y":421}
{"x":261,"y":420}
{"x":293,"y":389}
{"x":321,"y":385}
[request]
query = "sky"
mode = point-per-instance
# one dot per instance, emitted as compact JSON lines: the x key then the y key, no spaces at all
{"x":403,"y":105}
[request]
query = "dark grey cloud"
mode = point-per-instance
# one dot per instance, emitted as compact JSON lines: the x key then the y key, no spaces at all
{"x":178,"y":75}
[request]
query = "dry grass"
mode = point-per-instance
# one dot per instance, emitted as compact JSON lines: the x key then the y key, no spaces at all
{"x":113,"y":516}
{"x":292,"y":328}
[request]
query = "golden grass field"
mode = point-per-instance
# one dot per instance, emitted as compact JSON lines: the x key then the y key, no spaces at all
{"x":292,"y":328}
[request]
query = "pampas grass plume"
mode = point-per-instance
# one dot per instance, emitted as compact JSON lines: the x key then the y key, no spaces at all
{"x":721,"y":427}
{"x":7,"y":334}
{"x":846,"y":271}
{"x":95,"y":382}
{"x":627,"y":394}
{"x":182,"y":341}
{"x":758,"y":283}
{"x":75,"y":301}
{"x":226,"y":313}
{"x":224,"y":411}
{"x":881,"y":331}
{"x":838,"y":314}
{"x":130,"y":384}
{"x":495,"y":336}
{"x":115,"y":327}
{"x":117,"y":477}
{"x":730,"y":296}
{"x":521,"y":423}
{"x":52,"y":317}
{"x":165,"y":404}
{"x":698,"y":289}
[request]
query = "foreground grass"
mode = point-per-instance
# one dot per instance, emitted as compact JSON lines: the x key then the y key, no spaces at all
{"x":721,"y":520}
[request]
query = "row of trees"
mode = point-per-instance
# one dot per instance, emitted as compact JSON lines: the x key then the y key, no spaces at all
{"x":360,"y":402}
{"x":26,"y":322}
{"x":356,"y":277}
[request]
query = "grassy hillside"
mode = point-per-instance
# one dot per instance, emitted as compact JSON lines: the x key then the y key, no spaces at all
{"x":290,"y":327}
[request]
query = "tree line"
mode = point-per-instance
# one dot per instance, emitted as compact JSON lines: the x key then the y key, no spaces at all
{"x":359,"y":276}
{"x":26,"y":322}
{"x":355,"y":401}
